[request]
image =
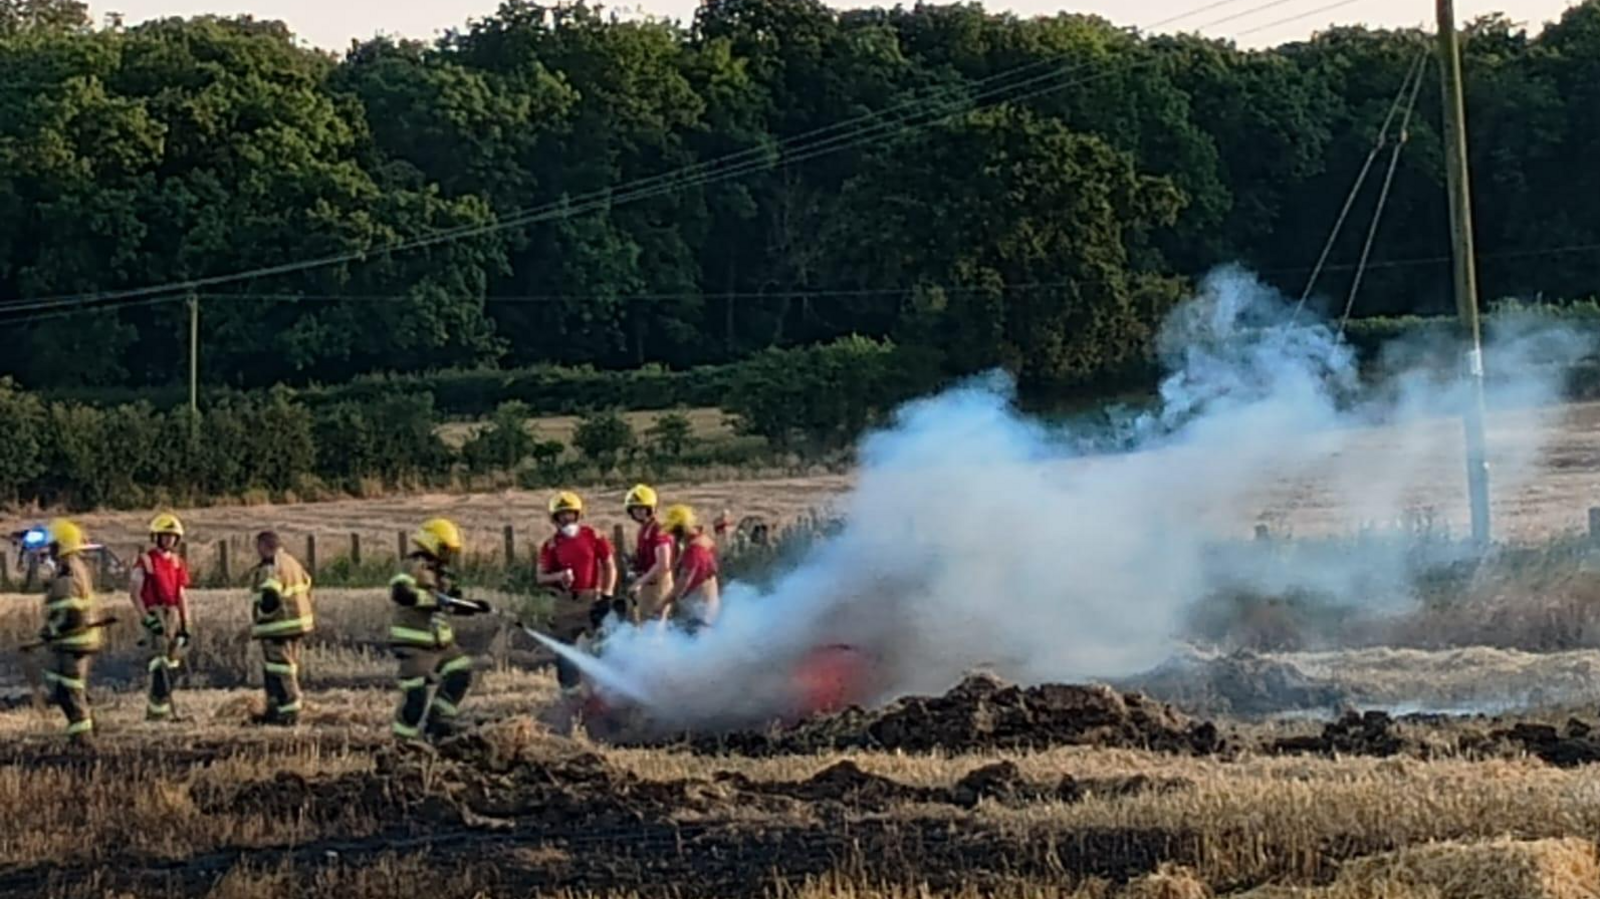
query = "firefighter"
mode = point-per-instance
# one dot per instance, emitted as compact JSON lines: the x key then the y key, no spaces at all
{"x":581,"y":565}
{"x":71,"y":632}
{"x":159,"y":586}
{"x":652,"y":557}
{"x":423,"y":641}
{"x":282,"y":618}
{"x":695,"y":597}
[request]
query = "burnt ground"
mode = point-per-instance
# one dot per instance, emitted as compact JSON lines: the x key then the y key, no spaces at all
{"x":523,"y":822}
{"x":527,"y":819}
{"x":985,"y":713}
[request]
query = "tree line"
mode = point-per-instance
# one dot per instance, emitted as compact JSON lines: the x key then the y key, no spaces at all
{"x":977,"y":188}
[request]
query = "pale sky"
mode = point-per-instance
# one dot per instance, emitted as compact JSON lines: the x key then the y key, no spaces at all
{"x":331,"y":24}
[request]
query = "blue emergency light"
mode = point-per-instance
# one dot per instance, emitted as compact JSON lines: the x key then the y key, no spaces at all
{"x":35,"y":538}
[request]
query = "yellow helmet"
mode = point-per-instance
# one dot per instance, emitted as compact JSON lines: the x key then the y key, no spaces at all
{"x":678,"y":519}
{"x":166,"y":523}
{"x":67,"y":537}
{"x":566,"y":501}
{"x":642,"y":495}
{"x":438,"y":536}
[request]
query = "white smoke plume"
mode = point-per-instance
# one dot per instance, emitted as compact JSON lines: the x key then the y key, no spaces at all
{"x":979,"y":537}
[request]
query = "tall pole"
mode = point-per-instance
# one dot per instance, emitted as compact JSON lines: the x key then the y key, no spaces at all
{"x":194,"y":360}
{"x":1466,"y":279}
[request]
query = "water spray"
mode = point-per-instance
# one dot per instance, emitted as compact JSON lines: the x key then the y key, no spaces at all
{"x":597,"y":670}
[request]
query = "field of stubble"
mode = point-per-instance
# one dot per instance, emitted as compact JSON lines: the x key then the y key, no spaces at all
{"x":1093,"y":800}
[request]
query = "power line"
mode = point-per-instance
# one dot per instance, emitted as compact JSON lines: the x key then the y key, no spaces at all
{"x":1402,"y":139}
{"x":1361,"y":180}
{"x":1315,"y":12}
{"x":647,"y":188}
{"x":822,"y":294}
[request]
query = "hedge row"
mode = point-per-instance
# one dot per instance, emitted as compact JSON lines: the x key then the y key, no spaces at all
{"x":555,"y":390}
{"x":282,"y":442}
{"x":473,"y":394}
{"x":135,"y":455}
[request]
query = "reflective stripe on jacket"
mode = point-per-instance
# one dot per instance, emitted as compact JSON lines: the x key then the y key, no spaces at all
{"x":293,"y":617}
{"x":69,"y":606}
{"x":421,"y":624}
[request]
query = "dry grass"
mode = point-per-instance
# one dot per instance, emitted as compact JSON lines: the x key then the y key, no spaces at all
{"x":707,"y":424}
{"x":348,"y":646}
{"x":1313,"y":827}
{"x":1255,"y":821}
{"x":1498,"y":869}
{"x":1469,"y":678}
{"x":1491,"y":869}
{"x":482,"y":516}
{"x":148,"y":808}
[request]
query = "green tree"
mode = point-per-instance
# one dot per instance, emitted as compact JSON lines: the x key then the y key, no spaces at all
{"x":602,"y":437}
{"x":671,"y":434}
{"x":818,"y":398}
{"x":504,"y":443}
{"x":17,"y":16}
{"x":22,"y":418}
{"x":1036,"y":252}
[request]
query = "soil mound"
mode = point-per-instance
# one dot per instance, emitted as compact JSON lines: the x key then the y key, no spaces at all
{"x":983,"y":712}
{"x":1376,"y":733}
{"x":1574,"y":745}
{"x":1356,"y":733}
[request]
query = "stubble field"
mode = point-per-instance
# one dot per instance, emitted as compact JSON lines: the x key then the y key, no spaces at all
{"x":988,"y":791}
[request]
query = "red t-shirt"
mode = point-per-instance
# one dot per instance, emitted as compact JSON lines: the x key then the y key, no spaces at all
{"x":164,"y":575}
{"x":699,"y":564}
{"x":650,"y":537}
{"x":582,"y":555}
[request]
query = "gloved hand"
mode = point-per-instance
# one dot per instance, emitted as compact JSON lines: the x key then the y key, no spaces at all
{"x":152,"y":623}
{"x":46,"y":634}
{"x":453,"y":593}
{"x":605,"y":607}
{"x":182,"y":638}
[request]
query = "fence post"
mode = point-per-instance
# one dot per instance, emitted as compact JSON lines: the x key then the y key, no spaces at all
{"x":399,"y":544}
{"x":355,"y":549}
{"x":511,"y":546}
{"x":617,"y":536}
{"x":222,"y":561}
{"x":1262,"y":533}
{"x":105,"y":569}
{"x":311,"y":554}
{"x":5,"y":571}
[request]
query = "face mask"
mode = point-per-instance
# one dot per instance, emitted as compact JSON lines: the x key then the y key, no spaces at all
{"x":569,"y":530}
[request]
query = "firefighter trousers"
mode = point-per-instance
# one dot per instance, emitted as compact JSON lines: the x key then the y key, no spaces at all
{"x":164,"y":663}
{"x":68,"y":677}
{"x":280,"y":658}
{"x":450,"y":669}
{"x":569,"y":620}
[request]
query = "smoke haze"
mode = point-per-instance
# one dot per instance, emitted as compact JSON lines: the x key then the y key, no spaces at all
{"x":979,"y":537}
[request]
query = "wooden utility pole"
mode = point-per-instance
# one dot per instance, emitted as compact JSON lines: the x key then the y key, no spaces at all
{"x":1466,"y":278}
{"x":194,"y":360}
